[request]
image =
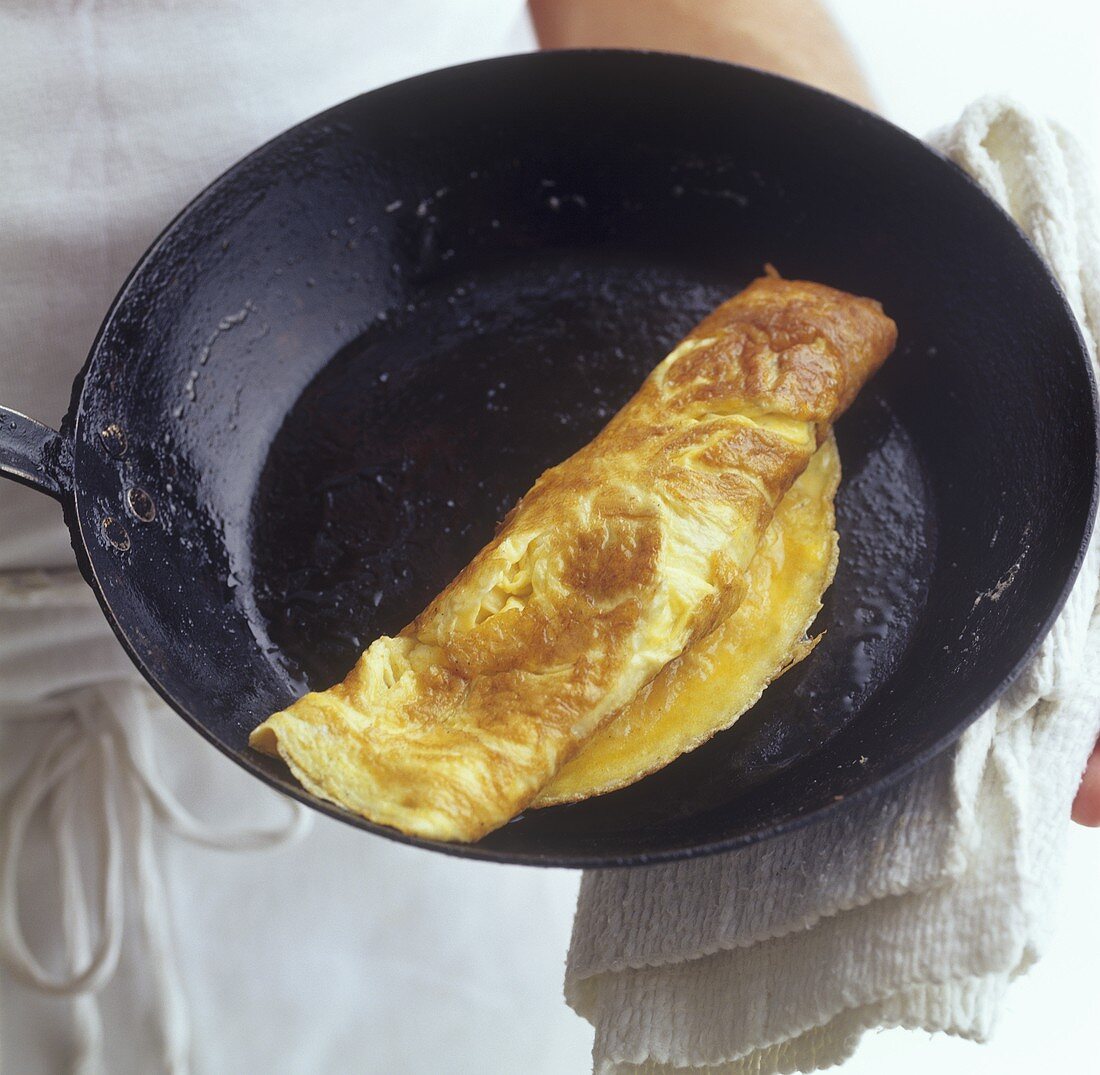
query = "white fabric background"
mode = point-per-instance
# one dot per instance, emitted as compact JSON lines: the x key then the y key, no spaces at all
{"x":424,"y":963}
{"x":341,"y":954}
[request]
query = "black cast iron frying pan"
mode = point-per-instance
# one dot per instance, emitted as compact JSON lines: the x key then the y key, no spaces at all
{"x":336,"y":370}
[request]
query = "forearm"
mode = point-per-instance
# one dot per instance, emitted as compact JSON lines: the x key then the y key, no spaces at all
{"x":796,"y":38}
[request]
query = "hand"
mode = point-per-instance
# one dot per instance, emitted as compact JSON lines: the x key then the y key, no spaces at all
{"x":1086,"y":807}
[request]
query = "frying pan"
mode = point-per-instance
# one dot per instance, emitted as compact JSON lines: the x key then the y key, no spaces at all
{"x":340,"y":365}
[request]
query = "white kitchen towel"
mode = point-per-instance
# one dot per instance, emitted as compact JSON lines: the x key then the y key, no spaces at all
{"x":915,"y":908}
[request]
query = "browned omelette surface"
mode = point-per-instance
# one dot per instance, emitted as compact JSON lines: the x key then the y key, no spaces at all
{"x":614,"y":563}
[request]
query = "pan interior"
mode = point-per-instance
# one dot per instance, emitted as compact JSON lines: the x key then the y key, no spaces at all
{"x":397,"y":461}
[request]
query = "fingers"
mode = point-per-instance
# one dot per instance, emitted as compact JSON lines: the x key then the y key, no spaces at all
{"x":1086,"y":807}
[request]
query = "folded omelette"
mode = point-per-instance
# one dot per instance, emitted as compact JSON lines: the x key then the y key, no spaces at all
{"x":568,"y":634}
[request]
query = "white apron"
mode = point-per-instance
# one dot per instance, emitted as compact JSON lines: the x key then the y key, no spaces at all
{"x":129,"y":942}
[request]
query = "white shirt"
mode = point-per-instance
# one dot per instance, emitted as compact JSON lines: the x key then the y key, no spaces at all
{"x":345,"y":952}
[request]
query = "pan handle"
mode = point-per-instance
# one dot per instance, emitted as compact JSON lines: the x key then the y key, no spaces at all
{"x":34,"y":454}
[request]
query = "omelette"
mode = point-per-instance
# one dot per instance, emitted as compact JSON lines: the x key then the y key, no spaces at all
{"x":609,"y":593}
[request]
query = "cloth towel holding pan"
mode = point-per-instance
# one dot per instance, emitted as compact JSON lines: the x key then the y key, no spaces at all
{"x":916,"y":907}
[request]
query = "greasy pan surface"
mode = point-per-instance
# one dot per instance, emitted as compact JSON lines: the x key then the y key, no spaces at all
{"x":341,"y":365}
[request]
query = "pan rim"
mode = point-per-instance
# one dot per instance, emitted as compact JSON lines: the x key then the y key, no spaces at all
{"x":81,"y":539}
